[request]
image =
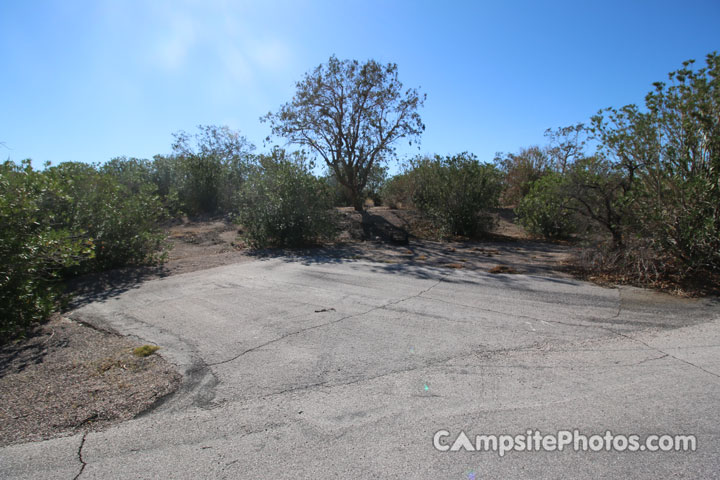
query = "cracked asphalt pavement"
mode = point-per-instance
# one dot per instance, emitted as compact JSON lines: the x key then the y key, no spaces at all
{"x":336,"y":369}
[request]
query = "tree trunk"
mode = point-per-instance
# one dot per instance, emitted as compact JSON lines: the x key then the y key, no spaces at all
{"x":355,"y":198}
{"x":358,"y":202}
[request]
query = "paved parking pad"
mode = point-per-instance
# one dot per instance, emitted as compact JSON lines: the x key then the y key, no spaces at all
{"x":331,"y":369}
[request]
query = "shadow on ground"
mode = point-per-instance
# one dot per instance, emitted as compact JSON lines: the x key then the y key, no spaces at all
{"x":102,"y":286}
{"x":381,"y":236}
{"x":16,"y":357}
{"x":423,"y":259}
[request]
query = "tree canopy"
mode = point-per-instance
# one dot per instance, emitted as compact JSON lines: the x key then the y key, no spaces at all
{"x":351,"y":115}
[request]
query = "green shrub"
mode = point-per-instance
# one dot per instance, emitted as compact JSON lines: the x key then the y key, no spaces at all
{"x":665,"y":162}
{"x":135,"y":174}
{"x":283,"y":204}
{"x":145,"y":350}
{"x":520,"y":171}
{"x":67,"y":220}
{"x":678,"y":198}
{"x":397,"y":192}
{"x":688,"y":230}
{"x":166,"y":176}
{"x":207,"y":169}
{"x":544,"y":211}
{"x":200,"y":190}
{"x":456,"y":193}
{"x":33,"y":251}
{"x":123,"y":226}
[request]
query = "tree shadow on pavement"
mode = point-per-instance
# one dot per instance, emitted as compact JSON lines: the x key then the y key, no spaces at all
{"x":433,"y":259}
{"x":104,"y":285}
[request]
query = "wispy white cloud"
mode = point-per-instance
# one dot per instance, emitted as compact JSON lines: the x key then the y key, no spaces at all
{"x":214,"y":53}
{"x":171,"y":48}
{"x":220,"y":34}
{"x":272,"y":55}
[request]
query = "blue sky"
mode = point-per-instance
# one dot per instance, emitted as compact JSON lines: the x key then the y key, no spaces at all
{"x":91,"y":80}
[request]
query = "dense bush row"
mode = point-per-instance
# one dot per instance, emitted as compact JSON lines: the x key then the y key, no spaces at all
{"x":61,"y":222}
{"x":652,"y":186}
{"x":74,"y":218}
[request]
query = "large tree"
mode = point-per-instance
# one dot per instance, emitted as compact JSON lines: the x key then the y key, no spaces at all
{"x":350,"y":115}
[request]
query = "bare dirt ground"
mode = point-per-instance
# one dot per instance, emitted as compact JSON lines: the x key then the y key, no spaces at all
{"x":69,"y":377}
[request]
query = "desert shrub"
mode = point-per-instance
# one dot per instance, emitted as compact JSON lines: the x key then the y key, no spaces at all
{"x":377,"y":176}
{"x":689,"y":228}
{"x":166,"y":175}
{"x":201,"y":186}
{"x":341,"y":197}
{"x":654,"y":183}
{"x":544,"y":211}
{"x":638,"y":263}
{"x":207,"y":168}
{"x":33,"y":251}
{"x":160,"y":176}
{"x":123,"y":226}
{"x":282,"y":203}
{"x":669,"y":156}
{"x":456,"y":193}
{"x":601,"y":193}
{"x":520,"y":170}
{"x":134,"y":174}
{"x":67,"y":220}
{"x":679,"y":187}
{"x":397,"y":192}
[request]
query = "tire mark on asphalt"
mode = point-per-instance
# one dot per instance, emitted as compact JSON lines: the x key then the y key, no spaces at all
{"x":519,"y":316}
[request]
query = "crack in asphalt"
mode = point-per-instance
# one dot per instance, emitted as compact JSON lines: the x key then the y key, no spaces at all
{"x":83,"y":464}
{"x":347,"y":317}
{"x":662,"y":352}
{"x":649,"y":360}
{"x":434,"y":364}
{"x":430,"y":364}
{"x":299,"y":389}
{"x":636,"y":340}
